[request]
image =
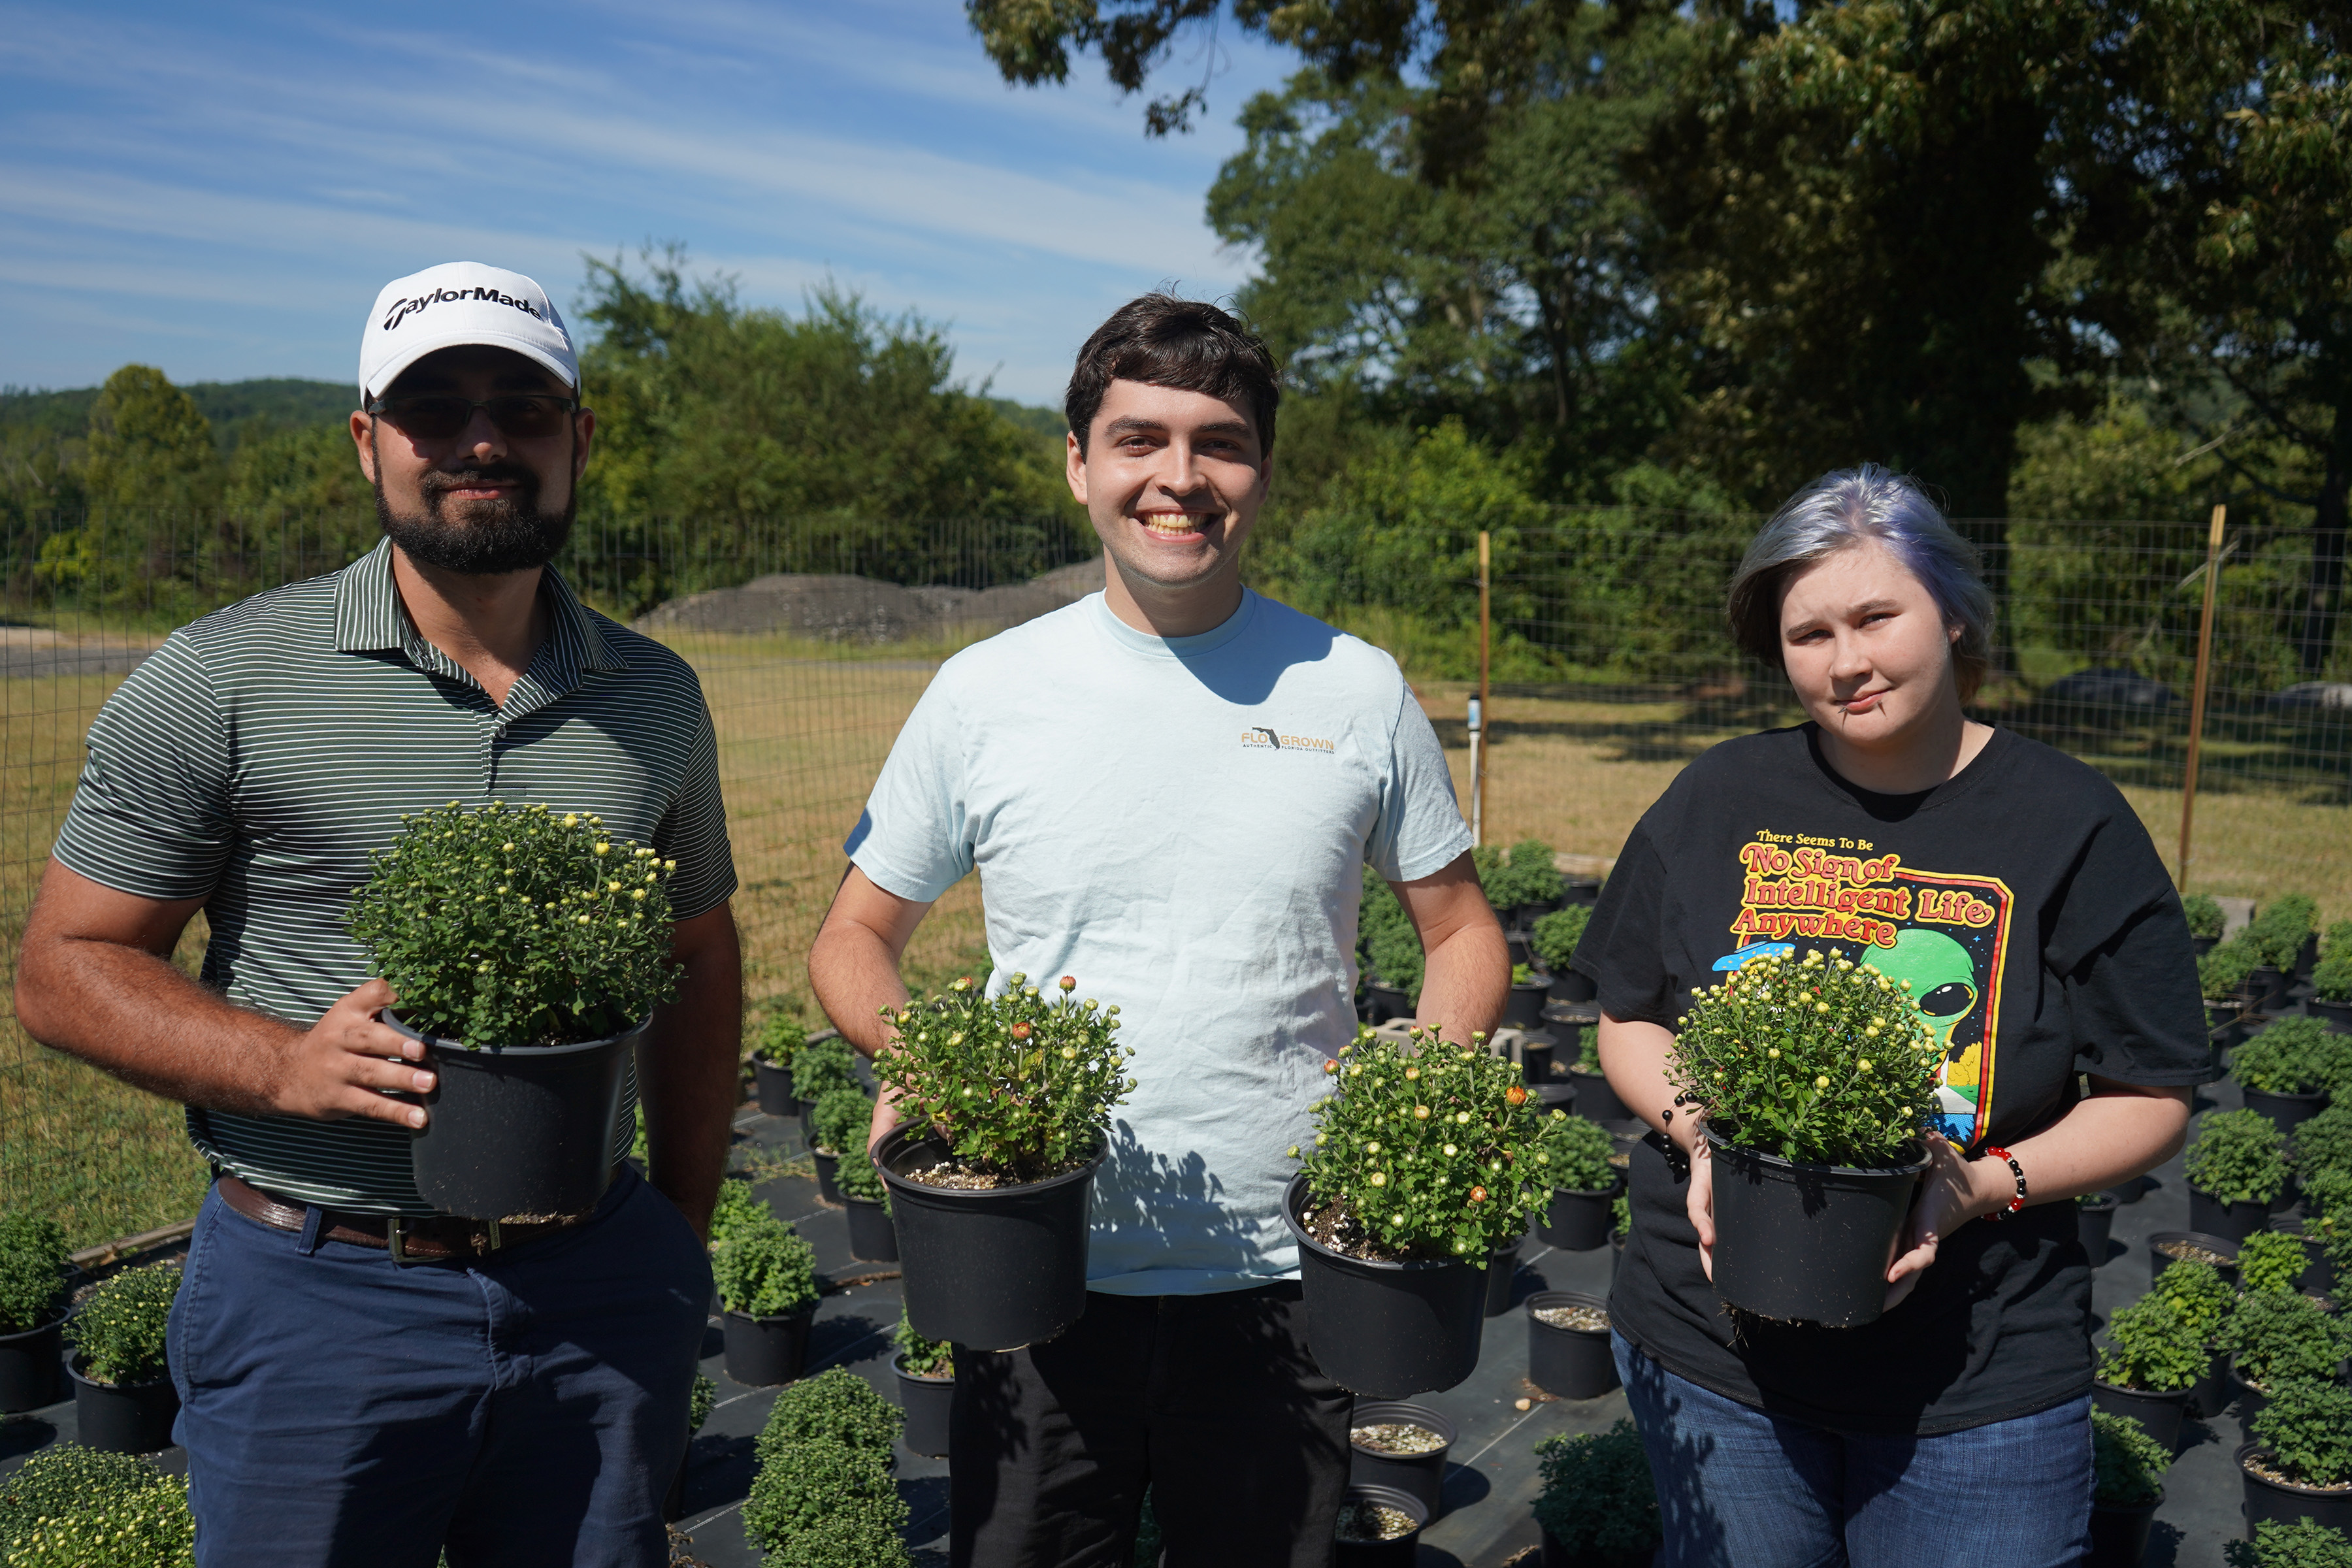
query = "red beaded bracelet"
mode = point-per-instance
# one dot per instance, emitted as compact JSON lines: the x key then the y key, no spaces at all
{"x":2016,"y":1170}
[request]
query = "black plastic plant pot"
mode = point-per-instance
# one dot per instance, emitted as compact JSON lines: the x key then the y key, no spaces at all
{"x":2307,"y":957}
{"x":1595,"y":1100}
{"x":2224,"y":1025}
{"x":2131,"y":1190}
{"x":1572,"y":1363}
{"x":764,"y":1351}
{"x":1389,"y":1002}
{"x":1397,"y":1554}
{"x":928,"y":1400}
{"x":2336,"y":1015}
{"x":1556,"y":1555}
{"x":2265,"y":988}
{"x":1535,"y":1058}
{"x":1524,"y":916}
{"x":2251,"y":1400}
{"x":828,"y":1176}
{"x":2232,"y":1221}
{"x":772,"y":1087}
{"x":872,"y":1238}
{"x":2159,"y":1412}
{"x":2287,"y":1112}
{"x":2318,"y":1276}
{"x":808,"y":1122}
{"x":1805,"y":1243}
{"x":2283,"y":1502}
{"x":1421,"y":1477}
{"x":994,"y":1269}
{"x":1385,"y":1329}
{"x":28,"y":1367}
{"x":2210,"y":1396}
{"x":123,"y":1417}
{"x":1579,"y":1221}
{"x":1523,"y":1009}
{"x":2095,"y":1223}
{"x":1567,"y":985}
{"x":1556,"y":1095}
{"x":2119,"y":1535}
{"x":519,"y":1134}
{"x":2158,"y":1259}
{"x":1502,"y":1270}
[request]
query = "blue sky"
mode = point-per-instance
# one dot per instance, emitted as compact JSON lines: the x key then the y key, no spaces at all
{"x":220,"y":190}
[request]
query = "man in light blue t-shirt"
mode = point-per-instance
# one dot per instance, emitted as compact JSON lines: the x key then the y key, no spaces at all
{"x":1170,"y":791}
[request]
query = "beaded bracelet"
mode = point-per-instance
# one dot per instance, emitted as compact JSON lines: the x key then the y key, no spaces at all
{"x":2016,"y":1170}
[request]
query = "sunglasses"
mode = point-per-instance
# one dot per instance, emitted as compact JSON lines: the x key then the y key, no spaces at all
{"x":437,"y":415}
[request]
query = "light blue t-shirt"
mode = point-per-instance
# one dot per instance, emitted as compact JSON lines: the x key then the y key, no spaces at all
{"x":1181,"y":824}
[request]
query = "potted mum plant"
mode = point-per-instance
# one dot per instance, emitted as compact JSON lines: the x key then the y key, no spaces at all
{"x":1554,"y":939}
{"x":1397,"y":1445}
{"x":2278,"y":1336}
{"x":2151,"y":1366}
{"x":873,"y":1238}
{"x":528,"y":949}
{"x":926,"y":1373}
{"x":2289,"y":1068}
{"x":823,"y":1494}
{"x":73,"y":1506}
{"x":2205,"y":922}
{"x":2204,"y":1301}
{"x":1425,"y":1158}
{"x":2272,"y":1260}
{"x":1006,"y":1104}
{"x":2095,"y":1222}
{"x":123,"y":1396}
{"x":825,"y":1064}
{"x":841,"y":1120}
{"x":2237,"y":1169}
{"x":2331,"y":984}
{"x":2128,"y":1470}
{"x":1523,"y":1007}
{"x":771,"y":1063}
{"x":1531,"y":883}
{"x":1816,"y":1076}
{"x":2299,"y":1465}
{"x":1585,"y":1186}
{"x":2282,"y":929}
{"x":2224,"y":974}
{"x":32,"y":1310}
{"x":1567,"y":1344}
{"x":1598,"y":1506}
{"x":1388,"y":951}
{"x":766,"y":1277}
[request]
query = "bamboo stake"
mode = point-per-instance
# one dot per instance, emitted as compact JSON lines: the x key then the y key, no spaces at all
{"x":1478,"y":752}
{"x":2197,"y":699}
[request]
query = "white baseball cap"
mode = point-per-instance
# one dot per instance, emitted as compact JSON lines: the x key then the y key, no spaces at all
{"x":461,"y":302}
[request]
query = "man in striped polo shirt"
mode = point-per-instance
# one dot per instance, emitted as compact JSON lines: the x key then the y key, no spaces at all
{"x":363,"y":1380}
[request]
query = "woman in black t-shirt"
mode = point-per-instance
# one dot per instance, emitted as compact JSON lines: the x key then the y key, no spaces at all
{"x":2016,"y":889}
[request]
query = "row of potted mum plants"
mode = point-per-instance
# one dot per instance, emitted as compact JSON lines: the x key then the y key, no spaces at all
{"x":2278,"y":964}
{"x":109,"y":1345}
{"x":71,"y":1505}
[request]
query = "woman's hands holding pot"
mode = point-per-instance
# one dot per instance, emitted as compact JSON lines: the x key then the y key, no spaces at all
{"x":1953,"y":1190}
{"x":1689,"y":1131}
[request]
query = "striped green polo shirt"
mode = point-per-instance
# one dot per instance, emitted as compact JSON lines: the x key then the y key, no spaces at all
{"x":257,"y":757}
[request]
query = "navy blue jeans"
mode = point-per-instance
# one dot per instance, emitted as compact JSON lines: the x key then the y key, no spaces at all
{"x":1740,"y":1487}
{"x":527,"y":1410}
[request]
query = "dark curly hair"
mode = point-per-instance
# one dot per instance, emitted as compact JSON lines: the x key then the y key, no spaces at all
{"x":1188,"y":344}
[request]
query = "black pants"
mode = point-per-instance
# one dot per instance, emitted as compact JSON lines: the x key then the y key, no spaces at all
{"x":1211,"y":1401}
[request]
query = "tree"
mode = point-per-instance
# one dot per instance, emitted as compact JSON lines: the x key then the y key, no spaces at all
{"x":150,"y":447}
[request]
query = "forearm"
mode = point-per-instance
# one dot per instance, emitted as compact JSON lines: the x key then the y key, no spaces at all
{"x":1634,"y":1058}
{"x":1464,"y":980}
{"x":138,"y":1018}
{"x":854,"y":973}
{"x":2117,"y":1133}
{"x":688,"y":1075}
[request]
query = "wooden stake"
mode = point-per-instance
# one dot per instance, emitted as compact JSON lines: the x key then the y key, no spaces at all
{"x":1478,"y":752}
{"x":2197,"y":699}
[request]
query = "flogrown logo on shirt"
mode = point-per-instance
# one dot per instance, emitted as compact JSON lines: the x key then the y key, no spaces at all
{"x":1266,"y":739}
{"x":1946,"y":933}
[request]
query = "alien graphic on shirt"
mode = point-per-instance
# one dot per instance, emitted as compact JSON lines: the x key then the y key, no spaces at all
{"x":1947,"y":934}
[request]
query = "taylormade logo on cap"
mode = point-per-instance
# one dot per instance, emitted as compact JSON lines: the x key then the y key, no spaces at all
{"x":458,"y":303}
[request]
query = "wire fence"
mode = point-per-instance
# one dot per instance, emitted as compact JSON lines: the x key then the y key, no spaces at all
{"x":813,"y":637}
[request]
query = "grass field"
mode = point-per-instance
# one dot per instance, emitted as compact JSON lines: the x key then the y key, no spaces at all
{"x":802,"y":729}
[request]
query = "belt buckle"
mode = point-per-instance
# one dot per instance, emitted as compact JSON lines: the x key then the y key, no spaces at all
{"x":392,"y":1239}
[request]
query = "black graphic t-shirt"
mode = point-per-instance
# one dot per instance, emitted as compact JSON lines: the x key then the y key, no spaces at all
{"x":2042,"y":938}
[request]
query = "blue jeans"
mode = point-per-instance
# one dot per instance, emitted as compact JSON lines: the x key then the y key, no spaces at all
{"x":1740,"y":1487}
{"x":341,"y":1411}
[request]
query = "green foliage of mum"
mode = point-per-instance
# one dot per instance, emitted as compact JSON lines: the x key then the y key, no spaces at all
{"x":764,"y":1268}
{"x":922,"y":1357}
{"x":1819,"y":1060}
{"x":1597,"y":1498}
{"x":857,"y":1178}
{"x":2204,"y":914}
{"x":1555,"y":935}
{"x":2222,"y":973}
{"x":2270,"y":1260}
{"x":2150,"y":1348}
{"x":32,"y":1272}
{"x":1018,"y":1087}
{"x":2238,"y":1156}
{"x":120,"y":1328}
{"x":2279,"y":926}
{"x":2127,"y":1466}
{"x":736,"y":1207}
{"x":1433,"y":1152}
{"x":1523,"y":874}
{"x":818,"y":1484}
{"x":2280,"y":1335}
{"x":2295,"y":1056}
{"x":2198,"y":1294}
{"x":836,"y":1406}
{"x":2307,"y":1426}
{"x":517,"y":926}
{"x":2324,"y":1143}
{"x":2331,"y":978}
{"x":842,"y":1119}
{"x":1580,"y":1154}
{"x":1387,"y":946}
{"x":823,"y":1066}
{"x":2302,"y":1544}
{"x":72,"y":1507}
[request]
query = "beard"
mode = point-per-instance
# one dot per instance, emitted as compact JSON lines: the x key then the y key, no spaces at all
{"x":511,"y":534}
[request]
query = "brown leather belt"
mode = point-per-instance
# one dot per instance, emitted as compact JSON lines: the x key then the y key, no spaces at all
{"x":435,"y":1240}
